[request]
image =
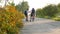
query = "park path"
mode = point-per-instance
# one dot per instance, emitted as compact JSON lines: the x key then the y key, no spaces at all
{"x":41,"y":26}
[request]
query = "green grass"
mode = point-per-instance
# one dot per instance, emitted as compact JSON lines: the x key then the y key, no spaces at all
{"x":56,"y":18}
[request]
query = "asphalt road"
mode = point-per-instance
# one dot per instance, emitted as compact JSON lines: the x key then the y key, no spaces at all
{"x":41,"y":26}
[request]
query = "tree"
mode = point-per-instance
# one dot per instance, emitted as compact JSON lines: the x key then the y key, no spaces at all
{"x":58,"y":8}
{"x":0,"y":0}
{"x":6,"y":1}
{"x":18,"y":7}
{"x":12,"y":3}
{"x":23,"y":6}
{"x":39,"y":13}
{"x":50,"y":10}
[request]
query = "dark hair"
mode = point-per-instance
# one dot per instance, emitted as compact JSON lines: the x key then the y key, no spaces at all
{"x":33,"y":10}
{"x":27,"y":9}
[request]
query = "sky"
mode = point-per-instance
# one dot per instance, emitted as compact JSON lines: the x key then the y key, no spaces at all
{"x":38,"y":3}
{"x":41,"y":3}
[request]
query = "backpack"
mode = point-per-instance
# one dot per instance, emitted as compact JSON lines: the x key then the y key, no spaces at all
{"x":25,"y":12}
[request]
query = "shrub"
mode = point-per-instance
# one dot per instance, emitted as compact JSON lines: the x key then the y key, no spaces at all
{"x":56,"y":18}
{"x":10,"y":20}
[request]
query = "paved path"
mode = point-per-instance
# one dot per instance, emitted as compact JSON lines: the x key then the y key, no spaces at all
{"x":41,"y":26}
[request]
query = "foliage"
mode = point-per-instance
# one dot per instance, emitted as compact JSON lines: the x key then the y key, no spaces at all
{"x":39,"y":13}
{"x":56,"y":18}
{"x":58,"y":9}
{"x":48,"y":11}
{"x":18,"y":7}
{"x":10,"y":20}
{"x":12,"y":3}
{"x":23,"y":6}
{"x":0,"y":0}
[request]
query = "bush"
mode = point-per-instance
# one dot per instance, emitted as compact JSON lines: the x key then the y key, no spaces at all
{"x":40,"y":13}
{"x":10,"y":20}
{"x":56,"y":18}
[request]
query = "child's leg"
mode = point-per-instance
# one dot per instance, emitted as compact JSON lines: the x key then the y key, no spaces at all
{"x":30,"y":18}
{"x":26,"y":18}
{"x":33,"y":18}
